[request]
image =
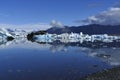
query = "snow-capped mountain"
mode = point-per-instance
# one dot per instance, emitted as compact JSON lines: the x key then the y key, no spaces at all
{"x":5,"y":32}
{"x":18,"y":33}
{"x":14,"y":33}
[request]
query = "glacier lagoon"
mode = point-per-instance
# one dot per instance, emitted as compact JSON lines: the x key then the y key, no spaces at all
{"x":21,"y":59}
{"x":67,"y":56}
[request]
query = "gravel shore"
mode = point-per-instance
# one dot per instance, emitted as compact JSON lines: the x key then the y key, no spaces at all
{"x":110,"y":74}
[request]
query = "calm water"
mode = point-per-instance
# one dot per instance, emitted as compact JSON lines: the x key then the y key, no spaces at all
{"x":24,"y":60}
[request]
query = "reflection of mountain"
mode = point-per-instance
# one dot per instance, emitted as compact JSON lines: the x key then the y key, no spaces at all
{"x":109,"y":55}
{"x":97,"y":44}
{"x":57,"y":48}
{"x":107,"y":52}
{"x":5,"y":43}
{"x":22,"y":42}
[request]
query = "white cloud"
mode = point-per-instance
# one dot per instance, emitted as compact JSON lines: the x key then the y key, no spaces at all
{"x":109,"y":17}
{"x":56,"y":24}
{"x":38,"y":26}
{"x":114,"y":9}
{"x":35,"y":27}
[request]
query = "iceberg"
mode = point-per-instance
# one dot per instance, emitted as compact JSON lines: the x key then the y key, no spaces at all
{"x":75,"y":37}
{"x":44,"y":38}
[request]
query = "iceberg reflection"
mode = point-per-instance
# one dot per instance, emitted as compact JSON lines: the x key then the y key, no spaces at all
{"x":107,"y":52}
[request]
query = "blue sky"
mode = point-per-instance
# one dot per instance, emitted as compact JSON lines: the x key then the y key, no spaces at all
{"x":21,"y":12}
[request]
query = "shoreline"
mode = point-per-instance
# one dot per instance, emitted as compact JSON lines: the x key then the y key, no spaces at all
{"x":109,"y":74}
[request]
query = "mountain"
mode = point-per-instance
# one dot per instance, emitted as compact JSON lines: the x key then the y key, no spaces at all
{"x":10,"y":34}
{"x":17,"y":33}
{"x":5,"y":35}
{"x":58,"y":30}
{"x":87,"y":29}
{"x":5,"y":32}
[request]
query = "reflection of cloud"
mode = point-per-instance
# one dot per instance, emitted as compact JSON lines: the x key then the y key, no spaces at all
{"x":109,"y":55}
{"x":58,"y":48}
{"x":3,"y":43}
{"x":22,"y":43}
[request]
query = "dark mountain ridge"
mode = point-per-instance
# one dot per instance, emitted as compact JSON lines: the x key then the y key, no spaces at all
{"x":88,"y":29}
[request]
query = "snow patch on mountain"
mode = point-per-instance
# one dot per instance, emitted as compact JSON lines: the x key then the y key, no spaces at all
{"x":15,"y":33}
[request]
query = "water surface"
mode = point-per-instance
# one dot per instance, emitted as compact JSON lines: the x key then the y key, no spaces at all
{"x":25,"y":60}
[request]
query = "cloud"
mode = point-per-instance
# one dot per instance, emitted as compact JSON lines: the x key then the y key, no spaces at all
{"x":56,"y":24}
{"x":37,"y":26}
{"x":108,"y":17}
